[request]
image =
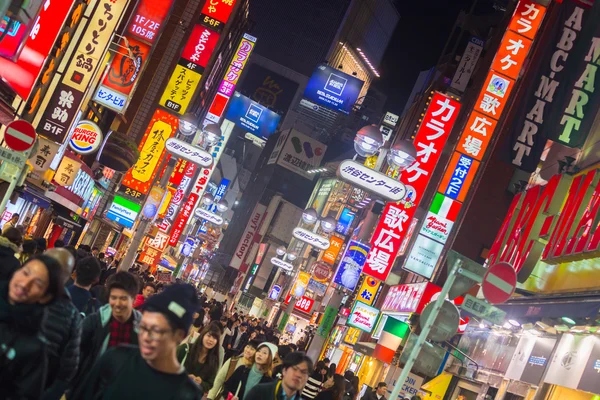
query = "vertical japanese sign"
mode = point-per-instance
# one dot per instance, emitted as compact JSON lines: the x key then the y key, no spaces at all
{"x":351,"y":265}
{"x":477,"y":134}
{"x":227,"y":86}
{"x":66,"y":100}
{"x":467,"y":64}
{"x":218,"y":195}
{"x":152,"y":149}
{"x":396,"y":218}
{"x":177,"y":199}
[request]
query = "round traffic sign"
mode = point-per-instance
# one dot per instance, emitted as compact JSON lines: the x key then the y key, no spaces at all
{"x":446,"y":322}
{"x":499,"y":283}
{"x":20,"y":135}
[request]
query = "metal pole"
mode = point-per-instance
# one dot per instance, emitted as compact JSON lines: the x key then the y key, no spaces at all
{"x":140,"y":232}
{"x":425,"y":331}
{"x":9,"y":191}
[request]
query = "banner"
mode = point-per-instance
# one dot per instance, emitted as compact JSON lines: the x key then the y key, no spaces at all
{"x":351,"y":265}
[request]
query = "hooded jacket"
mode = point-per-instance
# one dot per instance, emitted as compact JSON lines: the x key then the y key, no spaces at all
{"x":8,"y":262}
{"x":95,"y":334}
{"x":22,"y":349}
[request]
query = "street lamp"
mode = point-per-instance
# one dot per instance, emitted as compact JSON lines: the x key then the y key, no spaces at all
{"x":310,"y":216}
{"x":328,"y":224}
{"x":222,"y":205}
{"x":212,"y":134}
{"x":208,"y":199}
{"x":402,"y":155}
{"x":188,"y":124}
{"x":368,"y":141}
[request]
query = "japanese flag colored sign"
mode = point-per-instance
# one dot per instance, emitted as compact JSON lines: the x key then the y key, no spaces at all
{"x":396,"y":218}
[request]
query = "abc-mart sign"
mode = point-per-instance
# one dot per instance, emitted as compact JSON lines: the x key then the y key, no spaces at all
{"x":538,"y":226}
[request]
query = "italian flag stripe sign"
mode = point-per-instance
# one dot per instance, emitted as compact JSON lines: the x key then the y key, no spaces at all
{"x":445,"y":207}
{"x":394,"y":331}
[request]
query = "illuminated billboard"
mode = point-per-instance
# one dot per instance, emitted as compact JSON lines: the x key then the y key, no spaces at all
{"x":251,"y":116}
{"x":333,"y":89}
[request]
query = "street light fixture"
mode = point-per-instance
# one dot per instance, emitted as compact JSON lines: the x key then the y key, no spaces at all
{"x":368,"y":141}
{"x":222,"y":205}
{"x":188,"y":124}
{"x":212,"y":134}
{"x":281,"y":250}
{"x":402,"y":155}
{"x":310,"y":216}
{"x":208,"y":199}
{"x":328,"y":224}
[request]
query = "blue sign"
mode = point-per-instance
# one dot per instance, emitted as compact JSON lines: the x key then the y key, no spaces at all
{"x":218,"y":195}
{"x":187,"y":247}
{"x":251,"y":116}
{"x":274,"y":293}
{"x":459,"y":176}
{"x":123,"y":211}
{"x":344,"y":221}
{"x":352,"y":263}
{"x":333,"y":89}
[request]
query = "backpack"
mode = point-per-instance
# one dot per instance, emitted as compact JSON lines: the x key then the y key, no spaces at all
{"x":90,"y":307}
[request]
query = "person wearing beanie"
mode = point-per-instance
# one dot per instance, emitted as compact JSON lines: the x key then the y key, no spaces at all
{"x":246,"y":359}
{"x":245,"y":378}
{"x":151,"y":371}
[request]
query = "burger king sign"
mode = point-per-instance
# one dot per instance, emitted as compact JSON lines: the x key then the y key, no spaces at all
{"x":86,"y":138}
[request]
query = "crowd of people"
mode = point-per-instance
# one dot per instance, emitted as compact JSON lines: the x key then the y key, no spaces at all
{"x":74,"y":326}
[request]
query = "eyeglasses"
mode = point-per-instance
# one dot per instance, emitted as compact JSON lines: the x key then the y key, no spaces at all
{"x":301,"y":371}
{"x":154,"y":333}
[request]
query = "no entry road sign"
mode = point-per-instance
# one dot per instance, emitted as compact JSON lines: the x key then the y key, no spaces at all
{"x":20,"y":135}
{"x":499,"y":283}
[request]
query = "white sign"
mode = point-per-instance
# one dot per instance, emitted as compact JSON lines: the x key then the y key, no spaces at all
{"x":411,"y":386}
{"x":436,"y":227}
{"x":210,"y":217}
{"x":248,"y":236}
{"x":188,"y":152}
{"x":110,"y":98}
{"x":363,"y":317}
{"x":423,"y":256}
{"x":11,"y":156}
{"x":467,"y":64}
{"x":313,"y":239}
{"x":278,"y":147}
{"x":282,"y":264}
{"x":44,"y":155}
{"x":372,"y":181}
{"x":390,"y":119}
{"x":300,"y":153}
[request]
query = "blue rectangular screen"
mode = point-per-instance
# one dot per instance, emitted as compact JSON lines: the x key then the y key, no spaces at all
{"x":333,"y":89}
{"x":344,"y":221}
{"x":251,"y":116}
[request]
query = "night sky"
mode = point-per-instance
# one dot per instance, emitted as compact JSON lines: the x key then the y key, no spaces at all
{"x":416,"y":45}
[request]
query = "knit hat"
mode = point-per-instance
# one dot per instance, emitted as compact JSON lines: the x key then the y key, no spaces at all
{"x":271,"y":347}
{"x":177,"y":302}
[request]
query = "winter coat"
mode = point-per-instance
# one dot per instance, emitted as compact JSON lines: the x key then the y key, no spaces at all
{"x":269,"y":391}
{"x":239,"y":379}
{"x":22,"y":349}
{"x":95,"y":334}
{"x":8,"y":262}
{"x":139,"y":301}
{"x":62,"y":328}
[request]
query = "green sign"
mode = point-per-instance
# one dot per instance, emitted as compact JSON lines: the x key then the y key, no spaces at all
{"x":482,"y":309}
{"x":327,"y":321}
{"x":284,"y":320}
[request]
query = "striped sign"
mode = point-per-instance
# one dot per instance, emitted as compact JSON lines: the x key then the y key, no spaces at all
{"x":499,"y":283}
{"x":445,"y":207}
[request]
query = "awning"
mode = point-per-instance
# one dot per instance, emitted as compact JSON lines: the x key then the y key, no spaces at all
{"x":32,"y":196}
{"x":573,"y":307}
{"x":366,"y":348}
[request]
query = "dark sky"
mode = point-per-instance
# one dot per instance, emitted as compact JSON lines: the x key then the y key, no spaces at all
{"x":422,"y":31}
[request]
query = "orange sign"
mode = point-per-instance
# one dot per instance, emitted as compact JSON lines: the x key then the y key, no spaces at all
{"x":476,"y":136}
{"x":511,"y":54}
{"x":335,"y":245}
{"x":124,"y":69}
{"x":494,"y":95}
{"x":527,"y":18}
{"x":150,"y":256}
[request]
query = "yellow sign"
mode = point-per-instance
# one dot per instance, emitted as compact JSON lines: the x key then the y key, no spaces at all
{"x":352,"y":335}
{"x":180,"y":89}
{"x":368,"y":290}
{"x":95,"y":39}
{"x":437,"y":387}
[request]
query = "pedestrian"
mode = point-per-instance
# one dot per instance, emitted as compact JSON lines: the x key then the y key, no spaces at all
{"x":11,"y":223}
{"x":238,"y":340}
{"x":315,"y":381}
{"x":297,"y":367}
{"x":28,"y":250}
{"x":115,"y":323}
{"x":282,"y":352}
{"x":378,"y":393}
{"x":111,"y":269}
{"x":216,"y":312}
{"x":95,"y":251}
{"x":87,"y":274}
{"x":152,"y":371}
{"x":23,"y":360}
{"x":201,"y":359}
{"x":332,"y":370}
{"x":245,"y":378}
{"x":62,"y":330}
{"x":229,"y":367}
{"x":333,"y":388}
{"x":41,"y":245}
{"x":10,"y":244}
{"x":148,"y":291}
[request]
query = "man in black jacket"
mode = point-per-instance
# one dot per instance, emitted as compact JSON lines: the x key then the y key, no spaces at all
{"x":297,"y":367}
{"x":152,"y":371}
{"x":62,"y":329}
{"x":378,"y":393}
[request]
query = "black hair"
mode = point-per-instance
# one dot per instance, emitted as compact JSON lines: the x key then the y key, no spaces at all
{"x":88,"y":271}
{"x":381,"y":384}
{"x":56,"y":286}
{"x":95,"y":248}
{"x":29,"y":246}
{"x":339,"y":387}
{"x":296,"y":358}
{"x":125,"y":281}
{"x":100,"y":256}
{"x":320,"y":366}
{"x":283,"y":351}
{"x":326,"y":360}
{"x":212,"y":356}
{"x":14,"y":236}
{"x":15,"y":215}
{"x":218,"y":325}
{"x":152,"y":285}
{"x":253,"y":343}
{"x":85,"y":248}
{"x":41,"y":244}
{"x":59,"y":243}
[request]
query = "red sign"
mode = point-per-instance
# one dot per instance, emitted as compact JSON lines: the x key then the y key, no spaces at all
{"x":527,"y":18}
{"x":148,"y":18}
{"x":124,"y":70}
{"x":200,"y":46}
{"x":511,"y":54}
{"x":22,"y":74}
{"x":412,"y":297}
{"x":476,"y":136}
{"x":178,"y":172}
{"x":218,"y":105}
{"x":150,"y":256}
{"x":182,"y":219}
{"x":304,"y":304}
{"x":321,"y":271}
{"x":499,"y":283}
{"x":458,"y":177}
{"x":20,"y":135}
{"x":396,"y":218}
{"x":345,"y":312}
{"x":218,"y":9}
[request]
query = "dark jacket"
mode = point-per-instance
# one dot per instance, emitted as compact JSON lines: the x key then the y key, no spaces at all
{"x":241,"y":376}
{"x":62,"y":328}
{"x":326,"y":395}
{"x":22,"y":349}
{"x":118,"y":367}
{"x":371,"y":395}
{"x":243,"y":341}
{"x":268,"y":391}
{"x":95,"y":332}
{"x":8,"y":262}
{"x":201,"y":370}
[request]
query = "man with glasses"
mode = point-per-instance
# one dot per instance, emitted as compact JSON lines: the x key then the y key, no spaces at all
{"x":152,"y":370}
{"x":297,"y":367}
